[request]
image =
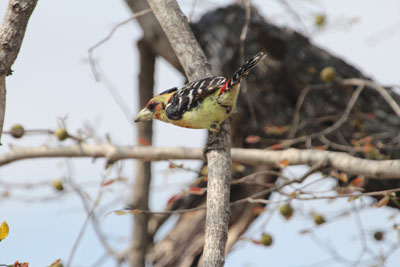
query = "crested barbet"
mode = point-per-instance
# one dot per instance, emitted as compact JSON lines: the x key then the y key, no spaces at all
{"x":205,"y":103}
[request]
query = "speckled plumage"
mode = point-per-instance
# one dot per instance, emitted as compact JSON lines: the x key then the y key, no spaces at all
{"x":204,"y":103}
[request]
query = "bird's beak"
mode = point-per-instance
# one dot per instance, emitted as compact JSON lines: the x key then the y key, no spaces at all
{"x":144,"y":115}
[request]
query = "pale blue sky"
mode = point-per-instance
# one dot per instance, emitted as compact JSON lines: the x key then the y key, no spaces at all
{"x":52,"y":79}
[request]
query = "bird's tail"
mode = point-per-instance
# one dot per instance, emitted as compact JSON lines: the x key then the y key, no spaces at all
{"x":244,"y":69}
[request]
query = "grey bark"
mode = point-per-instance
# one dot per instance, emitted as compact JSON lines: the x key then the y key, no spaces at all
{"x":217,"y":149}
{"x":218,"y":195}
{"x":378,"y":169}
{"x":12,"y":32}
{"x":141,"y":238}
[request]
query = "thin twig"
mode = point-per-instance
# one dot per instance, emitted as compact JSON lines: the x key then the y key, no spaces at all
{"x":100,"y":76}
{"x":361,"y":84}
{"x":192,"y":9}
{"x":328,"y":248}
{"x":360,"y":227}
{"x":251,"y":199}
{"x":90,"y":214}
{"x":242,"y":40}
{"x":382,"y":91}
{"x":294,"y":14}
{"x":296,"y":116}
{"x":3,"y":93}
{"x":245,"y":28}
{"x":389,"y":31}
{"x":108,"y":37}
{"x":334,"y":145}
{"x":254,"y":175}
{"x":335,"y":126}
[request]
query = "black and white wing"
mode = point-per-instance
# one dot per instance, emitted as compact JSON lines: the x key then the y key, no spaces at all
{"x":189,"y":96}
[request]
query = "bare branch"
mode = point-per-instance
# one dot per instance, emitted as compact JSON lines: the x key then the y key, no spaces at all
{"x":253,"y":199}
{"x":361,"y":84}
{"x":101,"y":77}
{"x":153,"y":33}
{"x":12,"y":32}
{"x":90,"y":210}
{"x":181,"y":38}
{"x":296,"y":116}
{"x":368,"y":194}
{"x":382,"y":91}
{"x":384,"y":169}
{"x":247,"y":6}
{"x":335,"y":126}
{"x":217,"y":149}
{"x":3,"y":93}
{"x":338,"y":160}
{"x":108,"y":37}
{"x":141,"y":190}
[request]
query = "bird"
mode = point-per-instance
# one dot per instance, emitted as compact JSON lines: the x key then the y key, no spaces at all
{"x":201,"y":104}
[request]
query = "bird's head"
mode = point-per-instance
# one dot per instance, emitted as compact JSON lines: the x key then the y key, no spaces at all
{"x":152,"y":110}
{"x":155,"y":108}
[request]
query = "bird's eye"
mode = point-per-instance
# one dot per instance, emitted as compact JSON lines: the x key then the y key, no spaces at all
{"x":152,"y":107}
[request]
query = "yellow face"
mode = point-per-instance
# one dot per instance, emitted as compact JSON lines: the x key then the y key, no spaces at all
{"x":208,"y":114}
{"x":155,"y":109}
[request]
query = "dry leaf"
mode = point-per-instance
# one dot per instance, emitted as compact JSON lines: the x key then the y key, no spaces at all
{"x":343,"y":177}
{"x":174,"y":198}
{"x":18,"y":264}
{"x":238,"y":167}
{"x":196,"y":191}
{"x":173,"y":165}
{"x":144,"y":142}
{"x":276,"y":147}
{"x":120,"y":212}
{"x":383,"y":202}
{"x":108,"y":182}
{"x":352,"y":198}
{"x":358,"y":181}
{"x":252,"y":139}
{"x":283,"y":163}
{"x":257,"y":210}
{"x":54,"y":264}
{"x":304,"y":231}
{"x":276,"y":129}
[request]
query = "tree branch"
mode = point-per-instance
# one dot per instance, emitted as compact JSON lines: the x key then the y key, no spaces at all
{"x":92,"y":61}
{"x":12,"y":32}
{"x":252,"y":199}
{"x":384,"y":169}
{"x":3,"y":94}
{"x":382,"y":91}
{"x":153,"y":33}
{"x":181,"y":38}
{"x":141,"y":190}
{"x":217,"y":149}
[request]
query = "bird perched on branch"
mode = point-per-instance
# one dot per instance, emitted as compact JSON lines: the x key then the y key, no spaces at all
{"x":205,"y":103}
